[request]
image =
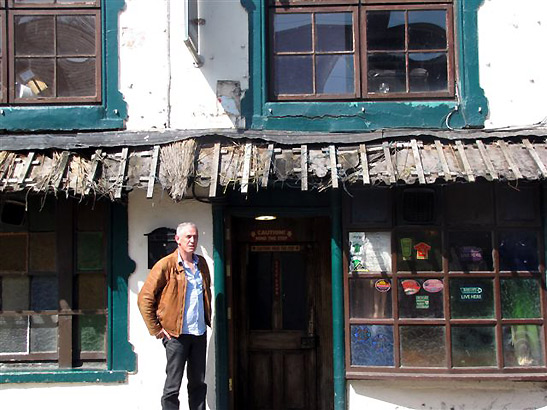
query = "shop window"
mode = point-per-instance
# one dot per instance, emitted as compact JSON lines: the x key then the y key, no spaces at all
{"x":452,"y":298}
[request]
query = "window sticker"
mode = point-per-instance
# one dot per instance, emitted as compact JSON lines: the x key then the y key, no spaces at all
{"x":422,"y":302}
{"x":470,"y":254}
{"x":471,"y":293}
{"x":406,"y":248}
{"x":382,"y":285}
{"x":410,"y":286}
{"x":433,"y":285}
{"x":370,"y":251}
{"x":422,"y":251}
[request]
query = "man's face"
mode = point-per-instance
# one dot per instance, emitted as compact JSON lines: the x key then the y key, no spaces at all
{"x":188,"y":240}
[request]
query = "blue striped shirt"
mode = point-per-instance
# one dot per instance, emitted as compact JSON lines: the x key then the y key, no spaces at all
{"x":194,"y":313}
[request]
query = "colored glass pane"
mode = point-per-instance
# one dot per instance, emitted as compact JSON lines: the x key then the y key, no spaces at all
{"x":91,"y":291}
{"x":520,"y":298}
{"x":43,"y":252}
{"x":371,"y":345}
{"x":90,"y":251}
{"x":44,"y":293}
{"x":15,"y":293}
{"x":92,"y":333}
{"x":14,"y":252}
{"x":423,"y":346}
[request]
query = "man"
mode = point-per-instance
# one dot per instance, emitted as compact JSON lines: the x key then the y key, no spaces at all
{"x":175,"y":303}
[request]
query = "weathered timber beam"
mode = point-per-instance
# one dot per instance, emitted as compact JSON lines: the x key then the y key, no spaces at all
{"x":486,"y":159}
{"x":465,"y":162}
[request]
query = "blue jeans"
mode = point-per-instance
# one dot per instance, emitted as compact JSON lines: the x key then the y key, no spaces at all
{"x":181,"y":350}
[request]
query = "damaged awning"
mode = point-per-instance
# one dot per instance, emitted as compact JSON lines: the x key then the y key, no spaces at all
{"x":217,"y":164}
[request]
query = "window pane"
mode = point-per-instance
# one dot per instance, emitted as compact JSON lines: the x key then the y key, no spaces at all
{"x":520,"y":298}
{"x":427,"y":72}
{"x":292,"y":32}
{"x":44,"y":293}
{"x":259,"y":278}
{"x":293,"y":282}
{"x":517,"y":206}
{"x":386,"y":73}
{"x":473,"y":346}
{"x":92,"y":333}
{"x":43,"y":333}
{"x":518,"y":251}
{"x":335,"y":74}
{"x":293,"y":75}
{"x":419,"y":251}
{"x":13,"y":334}
{"x":421,"y":298}
{"x":371,"y":345}
{"x":90,"y":251}
{"x":76,"y":35}
{"x":426,"y":29}
{"x":34,"y":77}
{"x":43,"y":247}
{"x":369,"y":301}
{"x":386,"y":30}
{"x":471,"y":298}
{"x":370,"y":251}
{"x":470,"y":251}
{"x":15,"y":293}
{"x":41,"y":214}
{"x":34,"y":1}
{"x":522,"y":346}
{"x":14,"y":253}
{"x":91,"y":291}
{"x":460,"y":209}
{"x":76,"y":77}
{"x":334,"y":32}
{"x":34,"y":35}
{"x":423,"y":346}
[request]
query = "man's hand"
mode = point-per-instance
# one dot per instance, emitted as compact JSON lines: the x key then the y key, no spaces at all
{"x":162,"y":334}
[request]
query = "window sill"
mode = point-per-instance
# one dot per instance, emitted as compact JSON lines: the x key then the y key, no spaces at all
{"x":447,"y":376}
{"x":64,"y":376}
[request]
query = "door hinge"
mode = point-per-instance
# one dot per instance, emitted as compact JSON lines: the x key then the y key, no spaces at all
{"x":230,"y":384}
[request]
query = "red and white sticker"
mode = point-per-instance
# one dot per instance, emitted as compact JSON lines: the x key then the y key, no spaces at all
{"x":382,"y":285}
{"x":410,"y":286}
{"x":433,"y":285}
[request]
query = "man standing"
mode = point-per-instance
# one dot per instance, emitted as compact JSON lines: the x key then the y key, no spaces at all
{"x":175,"y":303}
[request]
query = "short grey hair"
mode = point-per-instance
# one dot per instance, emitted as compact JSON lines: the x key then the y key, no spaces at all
{"x":184,"y":225}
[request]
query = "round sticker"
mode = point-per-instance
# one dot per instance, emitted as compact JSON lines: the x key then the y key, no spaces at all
{"x":433,"y":285}
{"x":410,"y":286}
{"x":382,"y":285}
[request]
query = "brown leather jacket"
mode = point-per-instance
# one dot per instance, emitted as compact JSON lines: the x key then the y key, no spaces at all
{"x":161,"y":299}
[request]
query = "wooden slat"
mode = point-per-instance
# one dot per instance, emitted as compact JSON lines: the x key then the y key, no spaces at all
{"x":267,"y":165}
{"x":466,"y":166}
{"x":304,"y":167}
{"x":93,"y":172}
{"x":153,"y":171}
{"x":121,"y":173}
{"x":63,"y":163}
{"x":214,"y":170}
{"x":442,"y":158}
{"x":26,"y":168}
{"x":532,"y":151}
{"x":364,"y":163}
{"x":389,"y":164}
{"x":418,"y":161}
{"x":509,"y":159}
{"x":333,"y":166}
{"x":246,"y":168}
{"x":486,"y":160}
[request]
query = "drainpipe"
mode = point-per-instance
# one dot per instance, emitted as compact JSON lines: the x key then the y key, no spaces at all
{"x":337,"y":303}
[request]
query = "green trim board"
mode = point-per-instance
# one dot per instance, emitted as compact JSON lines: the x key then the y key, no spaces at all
{"x":110,"y":114}
{"x":65,"y":376}
{"x":469,"y":110}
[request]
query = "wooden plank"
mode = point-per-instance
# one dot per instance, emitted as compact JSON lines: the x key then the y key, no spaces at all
{"x":121,"y":173}
{"x":364,"y":163}
{"x":333,"y":166}
{"x":418,"y":161}
{"x":153,"y":171}
{"x":509,"y":159}
{"x":267,"y":165}
{"x":214,"y":170}
{"x":246,"y":168}
{"x":466,"y":166}
{"x":304,"y":167}
{"x":442,"y":158}
{"x":26,"y":168}
{"x":63,"y":163}
{"x":93,"y":173}
{"x":389,"y":164}
{"x":486,"y":160}
{"x":532,"y":151}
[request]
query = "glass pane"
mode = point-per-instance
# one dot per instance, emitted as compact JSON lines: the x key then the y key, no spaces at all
{"x":92,"y":333}
{"x":518,"y":251}
{"x":427,"y":72}
{"x":427,"y":29}
{"x":15,"y":293}
{"x":419,"y":251}
{"x":76,"y":35}
{"x":34,"y":1}
{"x":370,"y":251}
{"x":34,"y":77}
{"x":386,"y":30}
{"x":460,"y":209}
{"x":470,"y":251}
{"x":76,"y":77}
{"x":522,"y":346}
{"x":473,"y":346}
{"x":421,"y":298}
{"x":335,"y":74}
{"x":43,"y":333}
{"x":259,"y":278}
{"x":517,"y":206}
{"x":90,"y":251}
{"x":14,"y":252}
{"x":91,"y":217}
{"x":42,"y":214}
{"x":13,"y":334}
{"x":520,"y":298}
{"x":371,"y":345}
{"x":293,"y":283}
{"x":334,"y":32}
{"x":372,"y":206}
{"x":386,"y":73}
{"x":91,"y":291}
{"x":34,"y":35}
{"x":471,"y":298}
{"x":292,"y":32}
{"x":293,"y":75}
{"x":43,"y":251}
{"x":44,"y":293}
{"x":366,"y":300}
{"x":423,"y":346}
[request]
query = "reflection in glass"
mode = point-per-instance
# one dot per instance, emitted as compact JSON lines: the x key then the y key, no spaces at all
{"x":44,"y":293}
{"x":292,"y":32}
{"x":427,"y":72}
{"x":34,"y":35}
{"x":371,"y":345}
{"x":76,"y":77}
{"x":76,"y":35}
{"x":386,"y":73}
{"x":43,"y":333}
{"x":473,"y":346}
{"x":34,"y":77}
{"x":386,"y":30}
{"x":13,"y":334}
{"x":427,"y":29}
{"x":335,"y":74}
{"x":520,"y":298}
{"x":417,"y":302}
{"x":471,"y":298}
{"x":293,"y":75}
{"x":470,"y":251}
{"x":334,"y":32}
{"x":423,"y":346}
{"x":366,"y":301}
{"x":518,"y":251}
{"x":522,"y":345}
{"x":15,"y":293}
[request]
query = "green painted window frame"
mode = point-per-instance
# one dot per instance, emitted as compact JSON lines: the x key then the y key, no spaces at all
{"x":121,"y":359}
{"x":469,"y":112}
{"x":108,"y":115}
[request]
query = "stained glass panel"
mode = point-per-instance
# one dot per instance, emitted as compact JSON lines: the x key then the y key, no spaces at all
{"x":43,"y":333}
{"x":44,"y":293}
{"x":523,"y":346}
{"x":91,"y":291}
{"x":371,"y":345}
{"x":90,"y":251}
{"x":92,"y":333}
{"x":520,"y":298}
{"x":14,"y":252}
{"x":43,"y":252}
{"x":473,"y":346}
{"x":15,"y":293}
{"x":423,"y":346}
